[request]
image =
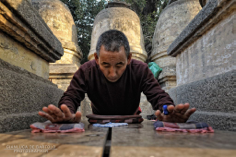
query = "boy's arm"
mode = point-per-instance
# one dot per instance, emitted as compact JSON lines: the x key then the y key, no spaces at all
{"x":69,"y":102}
{"x":75,"y":93}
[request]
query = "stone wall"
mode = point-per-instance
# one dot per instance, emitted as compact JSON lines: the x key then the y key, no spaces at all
{"x":214,"y":99}
{"x":27,"y":46}
{"x":25,"y":40}
{"x":16,"y":54}
{"x":212,"y":54}
{"x":22,"y":95}
{"x":173,"y":19}
{"x":206,"y":70}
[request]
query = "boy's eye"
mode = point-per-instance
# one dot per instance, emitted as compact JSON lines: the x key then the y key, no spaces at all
{"x":118,"y":66}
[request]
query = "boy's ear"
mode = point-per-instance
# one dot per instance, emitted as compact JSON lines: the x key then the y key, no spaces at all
{"x":96,"y":57}
{"x":129,"y":58}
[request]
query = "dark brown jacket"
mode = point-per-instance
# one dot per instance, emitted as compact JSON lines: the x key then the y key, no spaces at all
{"x":118,"y":98}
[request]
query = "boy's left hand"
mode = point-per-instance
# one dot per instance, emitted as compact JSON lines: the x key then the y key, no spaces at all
{"x":177,"y":114}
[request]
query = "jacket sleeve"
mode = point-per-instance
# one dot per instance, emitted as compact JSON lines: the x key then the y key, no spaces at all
{"x":75,"y":93}
{"x":151,"y":88}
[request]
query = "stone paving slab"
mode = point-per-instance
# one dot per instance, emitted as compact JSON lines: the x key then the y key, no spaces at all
{"x":141,"y":140}
{"x":89,"y":143}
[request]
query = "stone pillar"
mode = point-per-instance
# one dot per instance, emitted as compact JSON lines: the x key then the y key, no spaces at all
{"x":26,"y":47}
{"x":59,"y":19}
{"x":205,"y":65}
{"x":173,"y":19}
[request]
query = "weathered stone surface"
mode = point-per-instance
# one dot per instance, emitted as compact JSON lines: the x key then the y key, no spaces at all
{"x":22,"y":95}
{"x":59,"y":19}
{"x":146,"y":142}
{"x":85,"y":108}
{"x":145,"y":106}
{"x":16,"y":54}
{"x":205,"y":67}
{"x":213,"y":97}
{"x":122,"y":19}
{"x":172,"y":21}
{"x":211,"y":54}
{"x":210,"y":15}
{"x":13,"y":122}
{"x":61,"y":74}
{"x":70,"y":57}
{"x":218,"y":120}
{"x":24,"y":143}
{"x":62,"y":83}
{"x":21,"y":21}
{"x":62,"y":69}
{"x":167,"y":78}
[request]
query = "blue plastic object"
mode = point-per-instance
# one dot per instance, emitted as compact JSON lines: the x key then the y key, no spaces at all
{"x":165,"y":110}
{"x":110,"y":125}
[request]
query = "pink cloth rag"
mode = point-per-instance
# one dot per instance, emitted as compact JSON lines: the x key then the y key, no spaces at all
{"x":56,"y":127}
{"x":191,"y":127}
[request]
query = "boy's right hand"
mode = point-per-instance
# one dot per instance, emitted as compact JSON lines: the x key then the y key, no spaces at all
{"x":55,"y":115}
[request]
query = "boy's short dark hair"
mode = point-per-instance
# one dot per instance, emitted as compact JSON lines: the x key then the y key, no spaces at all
{"x":112,"y":40}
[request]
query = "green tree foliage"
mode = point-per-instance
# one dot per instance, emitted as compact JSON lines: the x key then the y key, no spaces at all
{"x":85,"y":11}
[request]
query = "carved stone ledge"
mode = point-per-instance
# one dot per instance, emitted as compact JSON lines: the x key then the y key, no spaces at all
{"x":211,"y":14}
{"x":21,"y":21}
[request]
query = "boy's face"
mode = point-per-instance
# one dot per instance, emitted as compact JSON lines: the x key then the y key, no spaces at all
{"x":112,"y":64}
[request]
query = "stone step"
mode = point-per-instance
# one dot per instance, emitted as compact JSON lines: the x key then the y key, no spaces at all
{"x":214,"y":94}
{"x":22,"y":95}
{"x":213,"y":97}
{"x":218,"y":120}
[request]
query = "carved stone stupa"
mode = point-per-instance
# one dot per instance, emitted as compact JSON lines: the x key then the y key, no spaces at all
{"x":173,"y":19}
{"x":59,"y":19}
{"x":117,"y":15}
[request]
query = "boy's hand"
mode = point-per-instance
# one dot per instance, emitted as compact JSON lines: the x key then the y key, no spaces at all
{"x":177,"y":114}
{"x":55,"y":115}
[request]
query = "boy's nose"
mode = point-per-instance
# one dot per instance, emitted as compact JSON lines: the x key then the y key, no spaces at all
{"x":112,"y":72}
